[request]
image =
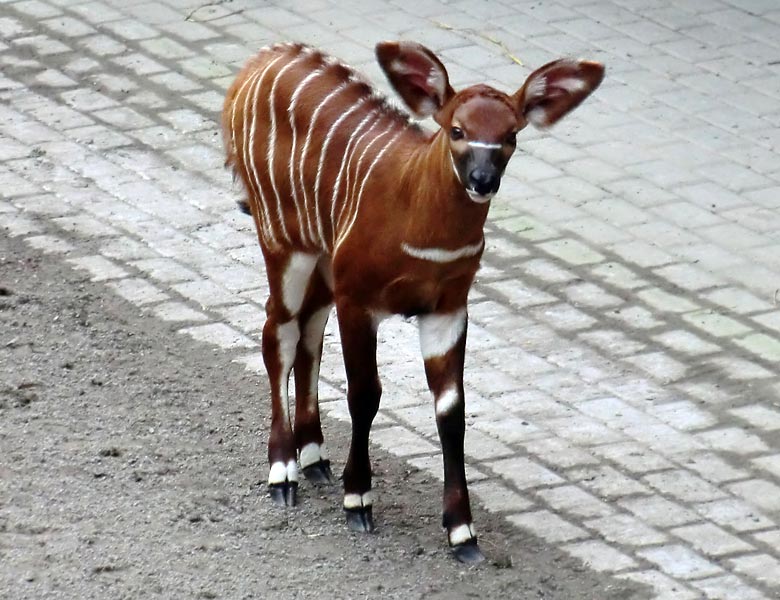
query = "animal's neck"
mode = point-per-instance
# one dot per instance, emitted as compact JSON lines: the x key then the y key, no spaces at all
{"x":440,"y":211}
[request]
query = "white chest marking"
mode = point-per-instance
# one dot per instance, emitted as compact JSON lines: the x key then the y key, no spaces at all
{"x":440,"y":255}
{"x":440,"y":333}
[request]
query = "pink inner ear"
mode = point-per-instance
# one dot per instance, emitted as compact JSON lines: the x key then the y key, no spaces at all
{"x":420,"y":81}
{"x":418,"y":71}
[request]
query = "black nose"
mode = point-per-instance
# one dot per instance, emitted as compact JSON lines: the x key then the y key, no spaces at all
{"x":484,"y":182}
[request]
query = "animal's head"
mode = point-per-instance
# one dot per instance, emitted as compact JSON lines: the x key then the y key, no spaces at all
{"x":482,"y":122}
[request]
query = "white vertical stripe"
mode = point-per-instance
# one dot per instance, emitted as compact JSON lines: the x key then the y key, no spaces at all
{"x":320,"y":164}
{"x":359,"y":162}
{"x":249,"y":138}
{"x":291,"y":113}
{"x":344,"y":162}
{"x":263,"y":205}
{"x":349,"y":196}
{"x":233,"y":114}
{"x":373,"y":164}
{"x":272,"y":140}
{"x":306,"y":144}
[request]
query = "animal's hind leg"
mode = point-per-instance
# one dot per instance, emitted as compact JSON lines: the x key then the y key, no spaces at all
{"x":288,"y":278}
{"x":308,"y":429}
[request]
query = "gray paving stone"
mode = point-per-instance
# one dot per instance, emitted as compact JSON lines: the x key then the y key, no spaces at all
{"x":679,"y":561}
{"x":600,"y":556}
{"x":548,"y":526}
{"x":728,"y":586}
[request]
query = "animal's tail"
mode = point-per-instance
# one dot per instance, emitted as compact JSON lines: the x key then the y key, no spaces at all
{"x":243,"y":206}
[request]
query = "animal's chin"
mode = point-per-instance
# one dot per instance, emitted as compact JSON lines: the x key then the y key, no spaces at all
{"x":480,"y":198}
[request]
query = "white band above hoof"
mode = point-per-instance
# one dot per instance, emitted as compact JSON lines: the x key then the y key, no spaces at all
{"x":281,"y":472}
{"x":461,"y":534}
{"x":312,"y":453}
{"x":352,"y":501}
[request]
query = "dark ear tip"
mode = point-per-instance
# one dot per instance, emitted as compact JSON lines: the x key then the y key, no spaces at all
{"x":595,"y":70}
{"x":385,"y":50}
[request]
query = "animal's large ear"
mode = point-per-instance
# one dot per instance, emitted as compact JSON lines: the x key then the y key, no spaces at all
{"x":417,"y":75}
{"x":557,"y":88}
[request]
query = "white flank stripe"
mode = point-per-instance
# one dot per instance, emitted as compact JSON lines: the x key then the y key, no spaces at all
{"x":320,"y":164}
{"x":352,"y":145}
{"x":306,"y":143}
{"x":373,"y":164}
{"x":488,"y":145}
{"x":272,"y":139}
{"x":447,"y":401}
{"x":249,"y":160}
{"x":440,"y":333}
{"x":440,"y":255}
{"x":263,"y":204}
{"x":291,"y":113}
{"x":233,"y":114}
{"x":350,"y":199}
{"x":362,"y":156}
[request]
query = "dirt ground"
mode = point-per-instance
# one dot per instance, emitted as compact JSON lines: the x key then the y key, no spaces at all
{"x":131,"y":461}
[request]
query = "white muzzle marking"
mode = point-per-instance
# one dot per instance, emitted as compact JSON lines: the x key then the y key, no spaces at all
{"x":479,"y":198}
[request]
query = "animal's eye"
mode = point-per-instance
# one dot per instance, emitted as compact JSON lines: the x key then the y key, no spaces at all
{"x":511,"y":138}
{"x":456,"y":133}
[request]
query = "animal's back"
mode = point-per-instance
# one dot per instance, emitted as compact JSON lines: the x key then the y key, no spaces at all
{"x":304,"y":133}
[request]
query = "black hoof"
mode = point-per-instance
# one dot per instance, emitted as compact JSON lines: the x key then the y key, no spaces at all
{"x":468,"y":553}
{"x":284,"y":494}
{"x":319,"y":472}
{"x":360,"y":520}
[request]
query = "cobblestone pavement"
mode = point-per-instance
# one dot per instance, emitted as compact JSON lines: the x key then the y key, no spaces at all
{"x":623,"y":393}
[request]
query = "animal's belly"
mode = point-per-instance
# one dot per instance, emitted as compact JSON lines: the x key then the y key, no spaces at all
{"x":409,"y":296}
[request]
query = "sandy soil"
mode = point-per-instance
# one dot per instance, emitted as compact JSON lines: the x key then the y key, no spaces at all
{"x":131,"y":461}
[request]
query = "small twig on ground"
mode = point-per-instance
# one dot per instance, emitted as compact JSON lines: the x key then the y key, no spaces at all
{"x":484,"y":36}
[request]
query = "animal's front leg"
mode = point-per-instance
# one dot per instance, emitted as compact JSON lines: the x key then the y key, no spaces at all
{"x":358,"y":340}
{"x":443,"y":345}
